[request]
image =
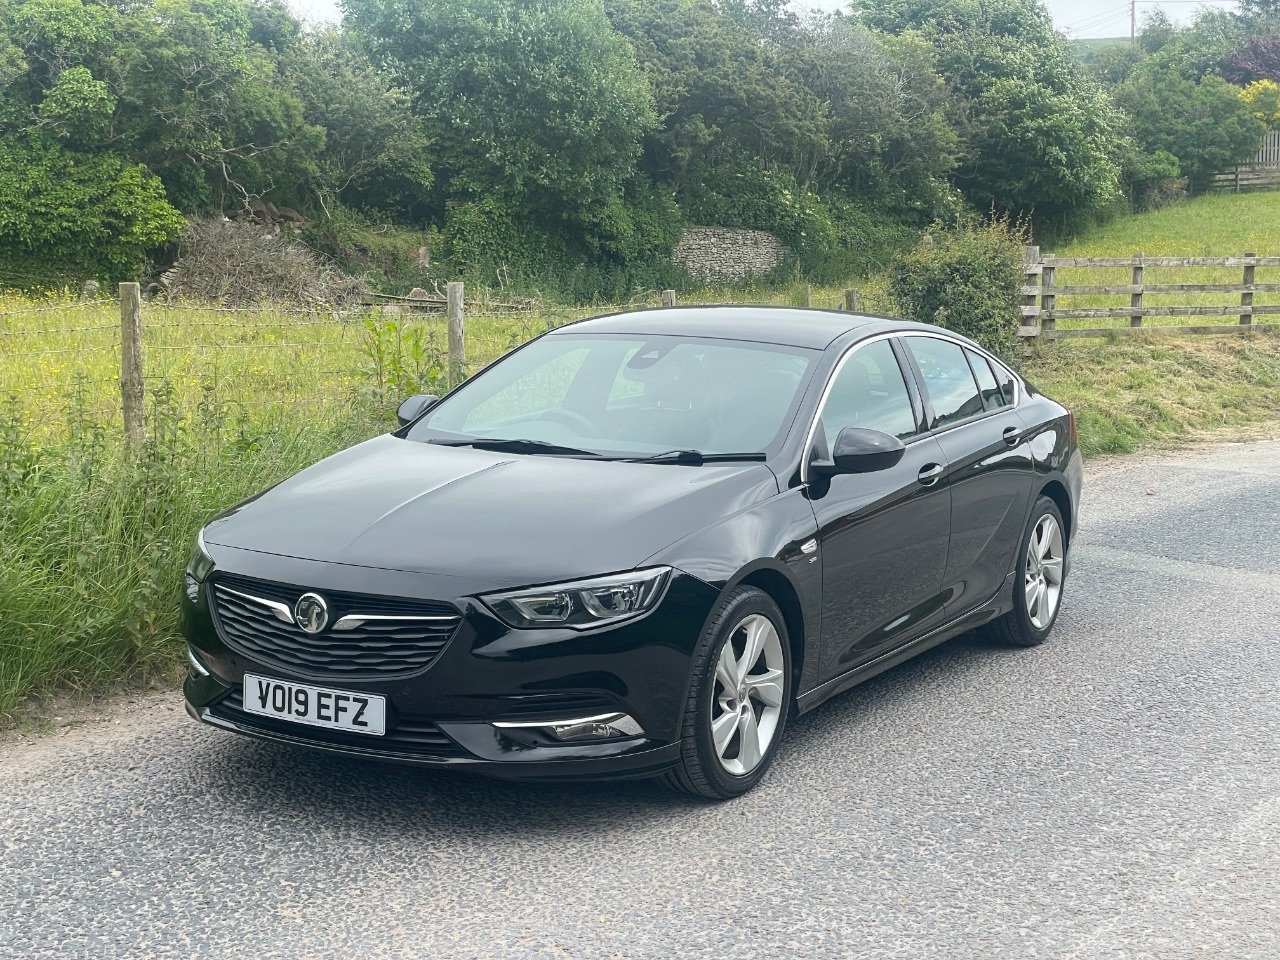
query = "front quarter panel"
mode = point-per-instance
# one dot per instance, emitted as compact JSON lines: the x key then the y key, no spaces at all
{"x":766,"y":536}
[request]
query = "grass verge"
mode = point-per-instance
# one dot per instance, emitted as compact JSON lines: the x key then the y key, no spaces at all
{"x":1133,"y":393}
{"x":96,"y":540}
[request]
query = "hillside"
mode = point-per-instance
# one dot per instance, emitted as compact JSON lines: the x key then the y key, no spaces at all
{"x":1216,"y":225}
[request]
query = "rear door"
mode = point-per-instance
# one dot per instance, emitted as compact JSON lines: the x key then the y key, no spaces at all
{"x":989,"y":467}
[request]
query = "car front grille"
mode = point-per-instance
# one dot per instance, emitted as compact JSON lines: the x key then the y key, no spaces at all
{"x":405,"y":736}
{"x":381,"y":637}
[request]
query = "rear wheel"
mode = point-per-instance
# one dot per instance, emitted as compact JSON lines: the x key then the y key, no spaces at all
{"x":1037,"y":590}
{"x":738,"y":701}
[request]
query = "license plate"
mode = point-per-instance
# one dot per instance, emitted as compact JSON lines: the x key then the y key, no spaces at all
{"x":315,"y":706}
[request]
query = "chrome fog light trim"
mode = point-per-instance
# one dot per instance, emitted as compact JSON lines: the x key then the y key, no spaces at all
{"x":606,"y":726}
{"x":197,"y":667}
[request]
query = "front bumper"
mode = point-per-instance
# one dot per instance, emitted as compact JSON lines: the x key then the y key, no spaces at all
{"x":447,"y":714}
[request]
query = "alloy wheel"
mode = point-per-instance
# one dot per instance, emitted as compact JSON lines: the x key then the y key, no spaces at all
{"x":746,"y":702}
{"x":1043,"y":575}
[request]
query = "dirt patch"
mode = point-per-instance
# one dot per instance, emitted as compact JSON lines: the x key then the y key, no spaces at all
{"x":66,"y":713}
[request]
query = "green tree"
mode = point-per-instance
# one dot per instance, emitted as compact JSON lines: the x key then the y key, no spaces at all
{"x":77,"y":107}
{"x":1200,"y":48}
{"x":73,"y":216}
{"x":724,"y":94}
{"x":1265,"y":10}
{"x":202,"y":104}
{"x":377,"y":152}
{"x":1042,"y":136}
{"x":892,"y":128}
{"x":1158,"y":31}
{"x":188,"y":88}
{"x":1204,"y":124}
{"x":541,"y":104}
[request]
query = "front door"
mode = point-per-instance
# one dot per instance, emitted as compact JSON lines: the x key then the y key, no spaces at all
{"x":989,"y":467}
{"x":883,"y":536}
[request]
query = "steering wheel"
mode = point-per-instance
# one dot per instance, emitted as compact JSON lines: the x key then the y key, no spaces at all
{"x":574,"y":421}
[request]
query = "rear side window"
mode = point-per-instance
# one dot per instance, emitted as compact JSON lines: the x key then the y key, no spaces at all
{"x":1005,"y":379}
{"x":992,"y":396}
{"x":947,"y":379}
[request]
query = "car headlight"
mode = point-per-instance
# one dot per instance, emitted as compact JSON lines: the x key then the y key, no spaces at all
{"x":582,"y":603}
{"x":198,"y":569}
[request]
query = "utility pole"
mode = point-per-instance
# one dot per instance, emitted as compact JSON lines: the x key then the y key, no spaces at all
{"x":1133,"y":22}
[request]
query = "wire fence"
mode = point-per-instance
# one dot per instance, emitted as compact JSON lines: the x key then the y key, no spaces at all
{"x":69,"y":362}
{"x":63,"y":361}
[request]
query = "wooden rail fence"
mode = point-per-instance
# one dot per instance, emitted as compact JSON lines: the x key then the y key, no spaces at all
{"x":1262,"y":174}
{"x":1043,"y":286}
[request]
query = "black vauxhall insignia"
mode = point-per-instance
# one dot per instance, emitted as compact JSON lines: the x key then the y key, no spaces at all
{"x":637,"y":545}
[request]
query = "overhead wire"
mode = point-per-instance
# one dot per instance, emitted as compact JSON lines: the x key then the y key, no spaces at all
{"x":1087,"y":22}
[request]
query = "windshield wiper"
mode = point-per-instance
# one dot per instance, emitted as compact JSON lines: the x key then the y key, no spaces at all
{"x":501,"y":445}
{"x":696,"y":458}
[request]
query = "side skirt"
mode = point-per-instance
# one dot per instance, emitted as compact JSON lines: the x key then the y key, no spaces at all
{"x":891,"y":658}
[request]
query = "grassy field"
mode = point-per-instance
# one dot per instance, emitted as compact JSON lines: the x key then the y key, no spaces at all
{"x":95,"y":539}
{"x":1217,"y":225}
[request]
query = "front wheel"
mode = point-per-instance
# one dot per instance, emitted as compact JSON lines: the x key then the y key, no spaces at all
{"x":738,"y":700}
{"x":1037,"y":591}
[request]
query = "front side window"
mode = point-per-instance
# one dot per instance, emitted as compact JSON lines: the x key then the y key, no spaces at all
{"x":869,"y":391}
{"x":625,"y":395}
{"x":947,"y":379}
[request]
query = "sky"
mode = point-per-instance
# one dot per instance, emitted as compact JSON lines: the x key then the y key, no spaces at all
{"x":1080,"y":18}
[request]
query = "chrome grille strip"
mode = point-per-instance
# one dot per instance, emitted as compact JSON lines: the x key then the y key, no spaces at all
{"x":280,"y":611}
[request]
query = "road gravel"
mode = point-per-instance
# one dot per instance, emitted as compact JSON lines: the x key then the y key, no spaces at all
{"x":1115,"y":793}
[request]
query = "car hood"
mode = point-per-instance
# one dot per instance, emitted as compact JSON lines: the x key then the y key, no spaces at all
{"x":507,"y":519}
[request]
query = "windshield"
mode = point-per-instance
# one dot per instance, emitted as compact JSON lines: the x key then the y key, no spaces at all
{"x":629,"y":396}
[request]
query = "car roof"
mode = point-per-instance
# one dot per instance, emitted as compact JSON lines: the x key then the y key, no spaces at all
{"x":785,"y":326}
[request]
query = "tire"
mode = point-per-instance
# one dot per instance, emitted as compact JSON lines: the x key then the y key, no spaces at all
{"x":1041,"y":567}
{"x":746,"y":615}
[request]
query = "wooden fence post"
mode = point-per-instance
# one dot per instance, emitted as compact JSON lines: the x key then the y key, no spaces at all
{"x":1135,"y":299}
{"x":1246,"y":298}
{"x":1047,"y":302}
{"x":1031,"y":257}
{"x":808,"y":294}
{"x":132,"y":395}
{"x":457,"y":334}
{"x":668,"y":298}
{"x":851,"y":301}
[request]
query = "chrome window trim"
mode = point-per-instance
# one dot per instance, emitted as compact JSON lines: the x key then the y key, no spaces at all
{"x":826,"y":394}
{"x":981,"y":351}
{"x":903,"y":334}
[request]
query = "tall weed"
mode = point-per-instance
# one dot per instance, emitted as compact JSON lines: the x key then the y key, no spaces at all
{"x":94,"y":538}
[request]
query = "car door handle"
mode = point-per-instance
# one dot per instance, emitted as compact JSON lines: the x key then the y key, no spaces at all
{"x":1012,"y":435}
{"x":930,"y":474}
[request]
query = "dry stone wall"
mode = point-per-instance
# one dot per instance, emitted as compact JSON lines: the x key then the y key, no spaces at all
{"x":715,"y":253}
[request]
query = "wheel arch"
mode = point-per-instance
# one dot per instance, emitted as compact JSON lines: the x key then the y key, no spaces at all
{"x":780,"y":589}
{"x":1056,"y":491}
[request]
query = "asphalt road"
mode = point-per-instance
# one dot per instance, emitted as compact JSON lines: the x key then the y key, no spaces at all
{"x":1115,"y":793}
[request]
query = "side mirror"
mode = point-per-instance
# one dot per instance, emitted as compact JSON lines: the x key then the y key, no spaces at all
{"x":859,"y":450}
{"x":412,"y":408}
